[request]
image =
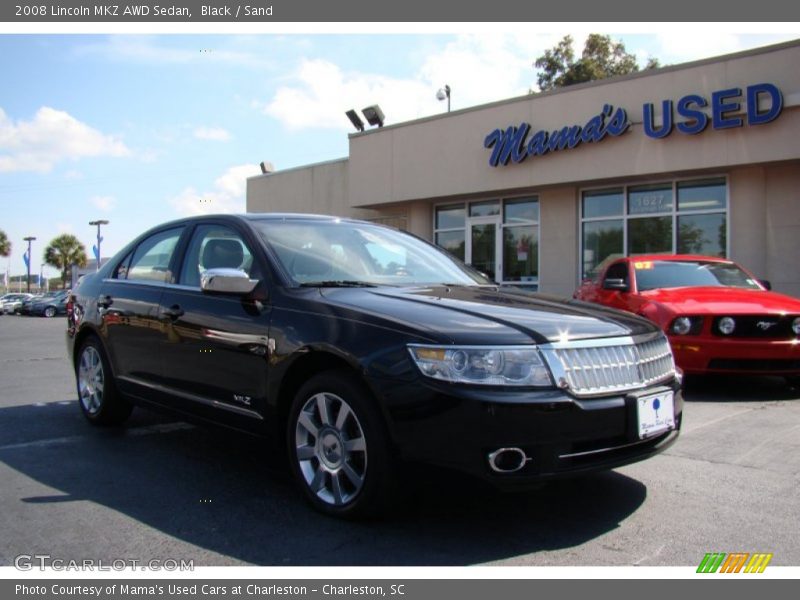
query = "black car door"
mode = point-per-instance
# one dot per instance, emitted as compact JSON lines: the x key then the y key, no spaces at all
{"x":128,"y":305}
{"x":214,"y":347}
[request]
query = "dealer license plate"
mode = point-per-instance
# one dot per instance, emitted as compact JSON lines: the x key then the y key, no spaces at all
{"x":656,"y":413}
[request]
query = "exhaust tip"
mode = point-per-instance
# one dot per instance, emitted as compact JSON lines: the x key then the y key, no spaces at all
{"x":507,"y":460}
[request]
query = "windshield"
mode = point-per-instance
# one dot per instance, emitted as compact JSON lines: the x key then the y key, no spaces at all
{"x":656,"y":274}
{"x":347,"y":253}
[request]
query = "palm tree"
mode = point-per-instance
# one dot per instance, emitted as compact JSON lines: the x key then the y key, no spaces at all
{"x":5,"y":244}
{"x":64,"y":251}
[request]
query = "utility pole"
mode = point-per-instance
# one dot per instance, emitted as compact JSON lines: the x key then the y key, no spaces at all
{"x":28,"y":239}
{"x":99,"y":239}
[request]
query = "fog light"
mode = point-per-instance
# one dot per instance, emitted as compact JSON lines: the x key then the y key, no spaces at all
{"x":682,"y":325}
{"x":726,"y":325}
{"x":796,"y":326}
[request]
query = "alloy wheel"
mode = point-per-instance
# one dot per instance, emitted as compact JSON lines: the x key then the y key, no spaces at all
{"x":91,"y":380}
{"x":331,"y":450}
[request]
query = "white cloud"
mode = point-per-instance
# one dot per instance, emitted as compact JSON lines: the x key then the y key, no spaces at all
{"x":103,"y":203}
{"x":226,"y":196}
{"x":674,"y":49}
{"x":215,"y":134}
{"x":50,"y":137}
{"x":151,"y":50}
{"x":478,"y":68}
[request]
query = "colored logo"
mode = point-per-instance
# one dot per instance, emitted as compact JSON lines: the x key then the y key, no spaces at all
{"x":736,"y":562}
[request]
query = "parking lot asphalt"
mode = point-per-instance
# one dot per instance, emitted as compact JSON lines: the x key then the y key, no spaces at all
{"x":159,"y":488}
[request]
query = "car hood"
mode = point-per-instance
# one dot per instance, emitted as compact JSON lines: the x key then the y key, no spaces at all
{"x":723,"y":300}
{"x":474,"y":315}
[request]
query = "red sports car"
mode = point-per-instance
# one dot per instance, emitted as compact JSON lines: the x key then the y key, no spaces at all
{"x":718,"y":316}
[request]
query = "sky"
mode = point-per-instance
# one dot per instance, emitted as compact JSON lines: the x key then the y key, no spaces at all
{"x":141,"y":129}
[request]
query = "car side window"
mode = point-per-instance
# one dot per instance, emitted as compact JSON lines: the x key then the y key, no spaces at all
{"x":215,"y":247}
{"x":152,"y":257}
{"x":121,"y":272}
{"x":618,"y":271}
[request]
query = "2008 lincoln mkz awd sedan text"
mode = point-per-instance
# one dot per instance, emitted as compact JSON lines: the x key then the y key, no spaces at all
{"x":359,"y":346}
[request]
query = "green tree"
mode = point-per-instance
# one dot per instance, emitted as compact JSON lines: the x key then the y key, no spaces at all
{"x":5,"y":244}
{"x":602,"y":57}
{"x":64,"y":251}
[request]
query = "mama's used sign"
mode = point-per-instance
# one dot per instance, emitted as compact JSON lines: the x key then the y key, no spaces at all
{"x":689,"y":115}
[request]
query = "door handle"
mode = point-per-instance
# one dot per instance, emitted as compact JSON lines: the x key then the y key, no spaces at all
{"x":173,"y":312}
{"x":104,"y":301}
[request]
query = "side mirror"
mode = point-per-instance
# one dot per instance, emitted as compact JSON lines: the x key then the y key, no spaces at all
{"x":227,"y":281}
{"x":612,"y":283}
{"x":765,"y":283}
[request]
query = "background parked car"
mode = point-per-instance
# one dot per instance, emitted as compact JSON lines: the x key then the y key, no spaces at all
{"x":10,"y":303}
{"x":49,"y":306}
{"x":717,"y":315}
{"x":26,"y":305}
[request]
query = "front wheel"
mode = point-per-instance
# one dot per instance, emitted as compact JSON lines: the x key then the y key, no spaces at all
{"x":99,"y":399}
{"x":50,"y":312}
{"x":338,"y":447}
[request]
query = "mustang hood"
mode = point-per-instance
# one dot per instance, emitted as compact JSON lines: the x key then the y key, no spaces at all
{"x":475,"y":315}
{"x":723,"y":300}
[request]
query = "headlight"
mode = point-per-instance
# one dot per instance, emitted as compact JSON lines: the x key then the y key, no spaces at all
{"x":483,"y":365}
{"x":686,"y":326}
{"x":796,"y":326}
{"x":726,"y":325}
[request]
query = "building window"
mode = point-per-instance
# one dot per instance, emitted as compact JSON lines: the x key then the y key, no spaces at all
{"x":685,"y":217}
{"x":521,"y":240}
{"x":449,"y":229}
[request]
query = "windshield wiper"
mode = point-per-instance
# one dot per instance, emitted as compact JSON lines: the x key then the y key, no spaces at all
{"x":337,"y":283}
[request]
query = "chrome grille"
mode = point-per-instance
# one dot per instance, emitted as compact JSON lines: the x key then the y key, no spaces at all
{"x":603,"y":366}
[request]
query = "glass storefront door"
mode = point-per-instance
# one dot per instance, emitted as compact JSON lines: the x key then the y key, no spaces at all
{"x":483,"y":250}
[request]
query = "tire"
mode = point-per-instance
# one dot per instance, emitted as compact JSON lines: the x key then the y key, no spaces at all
{"x":793,"y":382}
{"x":340,"y":460}
{"x":98,"y":396}
{"x":50,"y":312}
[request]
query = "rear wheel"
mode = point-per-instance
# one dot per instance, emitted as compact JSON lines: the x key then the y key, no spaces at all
{"x":338,"y":447}
{"x":50,"y":312}
{"x":99,"y":399}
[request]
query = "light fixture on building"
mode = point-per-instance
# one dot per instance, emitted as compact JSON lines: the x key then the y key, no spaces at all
{"x":267,"y":167}
{"x":355,"y":119}
{"x":374,"y":115}
{"x":444,"y":94}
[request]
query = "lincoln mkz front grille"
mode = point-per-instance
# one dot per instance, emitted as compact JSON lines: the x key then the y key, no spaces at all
{"x":604,"y":366}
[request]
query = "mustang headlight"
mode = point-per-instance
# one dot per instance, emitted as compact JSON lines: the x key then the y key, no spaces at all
{"x":726,"y":325}
{"x":686,"y":326}
{"x":483,"y":365}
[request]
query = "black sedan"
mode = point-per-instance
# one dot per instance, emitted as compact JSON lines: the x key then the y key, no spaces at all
{"x":359,"y":346}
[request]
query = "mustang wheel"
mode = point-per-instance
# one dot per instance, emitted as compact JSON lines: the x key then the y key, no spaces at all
{"x":338,"y":447}
{"x":99,"y":399}
{"x":50,"y":311}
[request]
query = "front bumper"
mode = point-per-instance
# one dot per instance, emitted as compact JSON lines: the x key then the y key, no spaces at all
{"x":703,"y":354}
{"x":458,"y":427}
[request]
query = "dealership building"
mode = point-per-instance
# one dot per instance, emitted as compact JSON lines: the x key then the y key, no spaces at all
{"x":537,"y":191}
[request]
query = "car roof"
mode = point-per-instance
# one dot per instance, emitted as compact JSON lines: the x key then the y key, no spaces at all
{"x":260,"y":217}
{"x":677,"y":258}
